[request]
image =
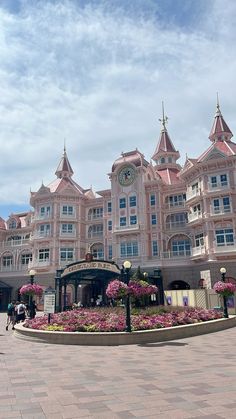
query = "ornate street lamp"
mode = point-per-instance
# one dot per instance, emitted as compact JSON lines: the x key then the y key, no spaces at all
{"x":32,"y":274}
{"x":223,"y":272}
{"x":127,"y":266}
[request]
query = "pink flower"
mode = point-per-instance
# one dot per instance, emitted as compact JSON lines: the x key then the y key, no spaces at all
{"x":116,"y":289}
{"x":225,"y":289}
{"x":31,"y":289}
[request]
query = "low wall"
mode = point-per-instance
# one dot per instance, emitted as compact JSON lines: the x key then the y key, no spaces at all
{"x":123,"y":338}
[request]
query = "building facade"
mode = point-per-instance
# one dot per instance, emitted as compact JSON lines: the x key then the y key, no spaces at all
{"x":158,"y":215}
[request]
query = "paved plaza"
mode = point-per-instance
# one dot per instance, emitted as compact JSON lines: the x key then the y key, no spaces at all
{"x":190,"y":378}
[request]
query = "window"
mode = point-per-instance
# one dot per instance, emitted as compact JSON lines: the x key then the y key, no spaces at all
{"x":128,"y":249}
{"x":181,"y":247}
{"x":153,"y":219}
{"x":97,"y":252}
{"x":12,"y":223}
{"x":195,"y":187}
{"x":223,"y":180}
{"x":45,"y":211}
{"x":67,"y":228}
{"x":213,"y":181}
{"x":169,"y":159}
{"x":109,"y":207}
{"x":66,"y":254}
{"x":67,"y":210}
{"x":26,"y":258}
{"x":95,"y":231}
{"x":44,"y":230}
{"x":132,"y":201}
{"x":176,"y":220}
{"x":109,"y":225}
{"x":110,"y":251}
{"x":43,"y":255}
{"x":177,"y":200}
{"x":154,"y":248}
{"x":226,"y":204}
{"x":162,"y":160}
{"x":122,"y":221}
{"x":7,"y":260}
{"x":122,"y":202}
{"x":197,"y":208}
{"x":152,"y":200}
{"x":133,"y":219}
{"x":95,"y":213}
{"x":199,"y":240}
{"x":225,"y":237}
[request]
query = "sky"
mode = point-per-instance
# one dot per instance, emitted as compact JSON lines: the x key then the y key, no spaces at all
{"x":94,"y":74}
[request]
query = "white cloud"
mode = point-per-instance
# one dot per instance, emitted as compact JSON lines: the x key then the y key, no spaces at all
{"x":96,"y":76}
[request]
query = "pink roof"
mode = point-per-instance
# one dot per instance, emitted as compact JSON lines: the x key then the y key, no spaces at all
{"x":164,"y":145}
{"x":219,"y":127}
{"x":61,"y":183}
{"x":2,"y":224}
{"x":134,"y":157}
{"x":226,"y":147}
{"x":169,"y":176}
{"x":64,"y":168}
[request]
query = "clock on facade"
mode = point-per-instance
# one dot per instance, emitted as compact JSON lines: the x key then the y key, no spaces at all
{"x":126,"y":175}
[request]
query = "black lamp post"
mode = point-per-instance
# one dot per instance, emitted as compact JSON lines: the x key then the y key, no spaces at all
{"x":127,"y":266}
{"x":32,"y":274}
{"x":223,"y":272}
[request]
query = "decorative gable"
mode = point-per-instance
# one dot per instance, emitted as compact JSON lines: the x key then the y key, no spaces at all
{"x":214,"y":155}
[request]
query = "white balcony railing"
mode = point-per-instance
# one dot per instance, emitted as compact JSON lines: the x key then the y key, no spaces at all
{"x":217,"y":186}
{"x":193,"y":193}
{"x":40,"y":217}
{"x":41,"y":235}
{"x":173,"y":205}
{"x":39,"y":263}
{"x":95,"y":217}
{"x":218,"y":210}
{"x":199,"y":250}
{"x":176,"y":254}
{"x":193,"y":216}
{"x":14,"y":243}
{"x":68,"y":234}
{"x":127,"y":227}
{"x":175,"y":225}
{"x":225,"y":248}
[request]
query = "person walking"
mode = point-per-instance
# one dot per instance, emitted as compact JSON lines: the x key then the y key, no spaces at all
{"x":11,"y":315}
{"x":20,"y":312}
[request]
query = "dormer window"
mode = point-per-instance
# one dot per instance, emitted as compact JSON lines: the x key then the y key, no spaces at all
{"x":163,"y":160}
{"x":12,"y":223}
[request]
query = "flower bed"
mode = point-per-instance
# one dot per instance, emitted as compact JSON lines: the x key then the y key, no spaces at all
{"x":113,"y":319}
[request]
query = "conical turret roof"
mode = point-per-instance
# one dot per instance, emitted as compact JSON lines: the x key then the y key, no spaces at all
{"x":220,"y":130}
{"x":64,"y":168}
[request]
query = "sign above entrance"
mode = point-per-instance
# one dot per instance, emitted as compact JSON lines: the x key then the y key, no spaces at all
{"x":81,"y":266}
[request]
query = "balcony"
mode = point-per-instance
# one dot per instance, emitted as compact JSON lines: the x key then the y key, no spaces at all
{"x":175,"y":225}
{"x":41,"y":235}
{"x":11,"y":268}
{"x":193,"y":193}
{"x":219,"y":210}
{"x":95,"y":234}
{"x":175,"y":205}
{"x":183,"y":254}
{"x":67,"y":216}
{"x":195,"y":216}
{"x":40,"y":217}
{"x":225,"y":248}
{"x":14,"y":243}
{"x":127,"y":228}
{"x":198,"y":251}
{"x":68,"y":234}
{"x":217,"y":186}
{"x":39,"y":264}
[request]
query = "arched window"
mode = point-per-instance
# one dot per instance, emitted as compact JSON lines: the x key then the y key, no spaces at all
{"x":12,"y":223}
{"x":97,"y":251}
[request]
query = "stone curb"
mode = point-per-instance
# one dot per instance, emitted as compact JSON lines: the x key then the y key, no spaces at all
{"x":123,"y":338}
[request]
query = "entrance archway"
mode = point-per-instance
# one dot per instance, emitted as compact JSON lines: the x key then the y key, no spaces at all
{"x":91,"y":276}
{"x":179,"y":285}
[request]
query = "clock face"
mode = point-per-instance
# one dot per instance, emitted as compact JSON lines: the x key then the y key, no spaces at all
{"x":126,"y":175}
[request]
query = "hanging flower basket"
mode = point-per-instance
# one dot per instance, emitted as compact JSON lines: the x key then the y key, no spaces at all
{"x":141,"y":288}
{"x":31,"y":289}
{"x":226,"y":289}
{"x":116,"y":289}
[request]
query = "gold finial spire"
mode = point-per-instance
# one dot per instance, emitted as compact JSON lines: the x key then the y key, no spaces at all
{"x":164,"y":118}
{"x":218,"y":113}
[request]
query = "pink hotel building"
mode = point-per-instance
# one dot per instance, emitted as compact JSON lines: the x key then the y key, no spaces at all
{"x":181,"y":220}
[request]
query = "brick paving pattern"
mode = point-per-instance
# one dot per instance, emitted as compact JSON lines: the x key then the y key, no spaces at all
{"x":190,"y":378}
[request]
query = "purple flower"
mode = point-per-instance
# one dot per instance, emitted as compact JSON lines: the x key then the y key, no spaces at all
{"x":31,"y":289}
{"x":225,"y":289}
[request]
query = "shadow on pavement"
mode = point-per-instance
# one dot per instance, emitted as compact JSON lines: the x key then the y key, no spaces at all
{"x":152,"y":345}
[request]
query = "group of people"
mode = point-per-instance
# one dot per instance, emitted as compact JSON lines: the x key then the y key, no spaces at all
{"x":17,"y":312}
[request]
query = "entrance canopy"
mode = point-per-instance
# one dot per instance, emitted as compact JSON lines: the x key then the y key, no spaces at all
{"x":91,"y":269}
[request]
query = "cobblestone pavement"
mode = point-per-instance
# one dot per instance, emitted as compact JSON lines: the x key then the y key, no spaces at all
{"x":190,"y":378}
